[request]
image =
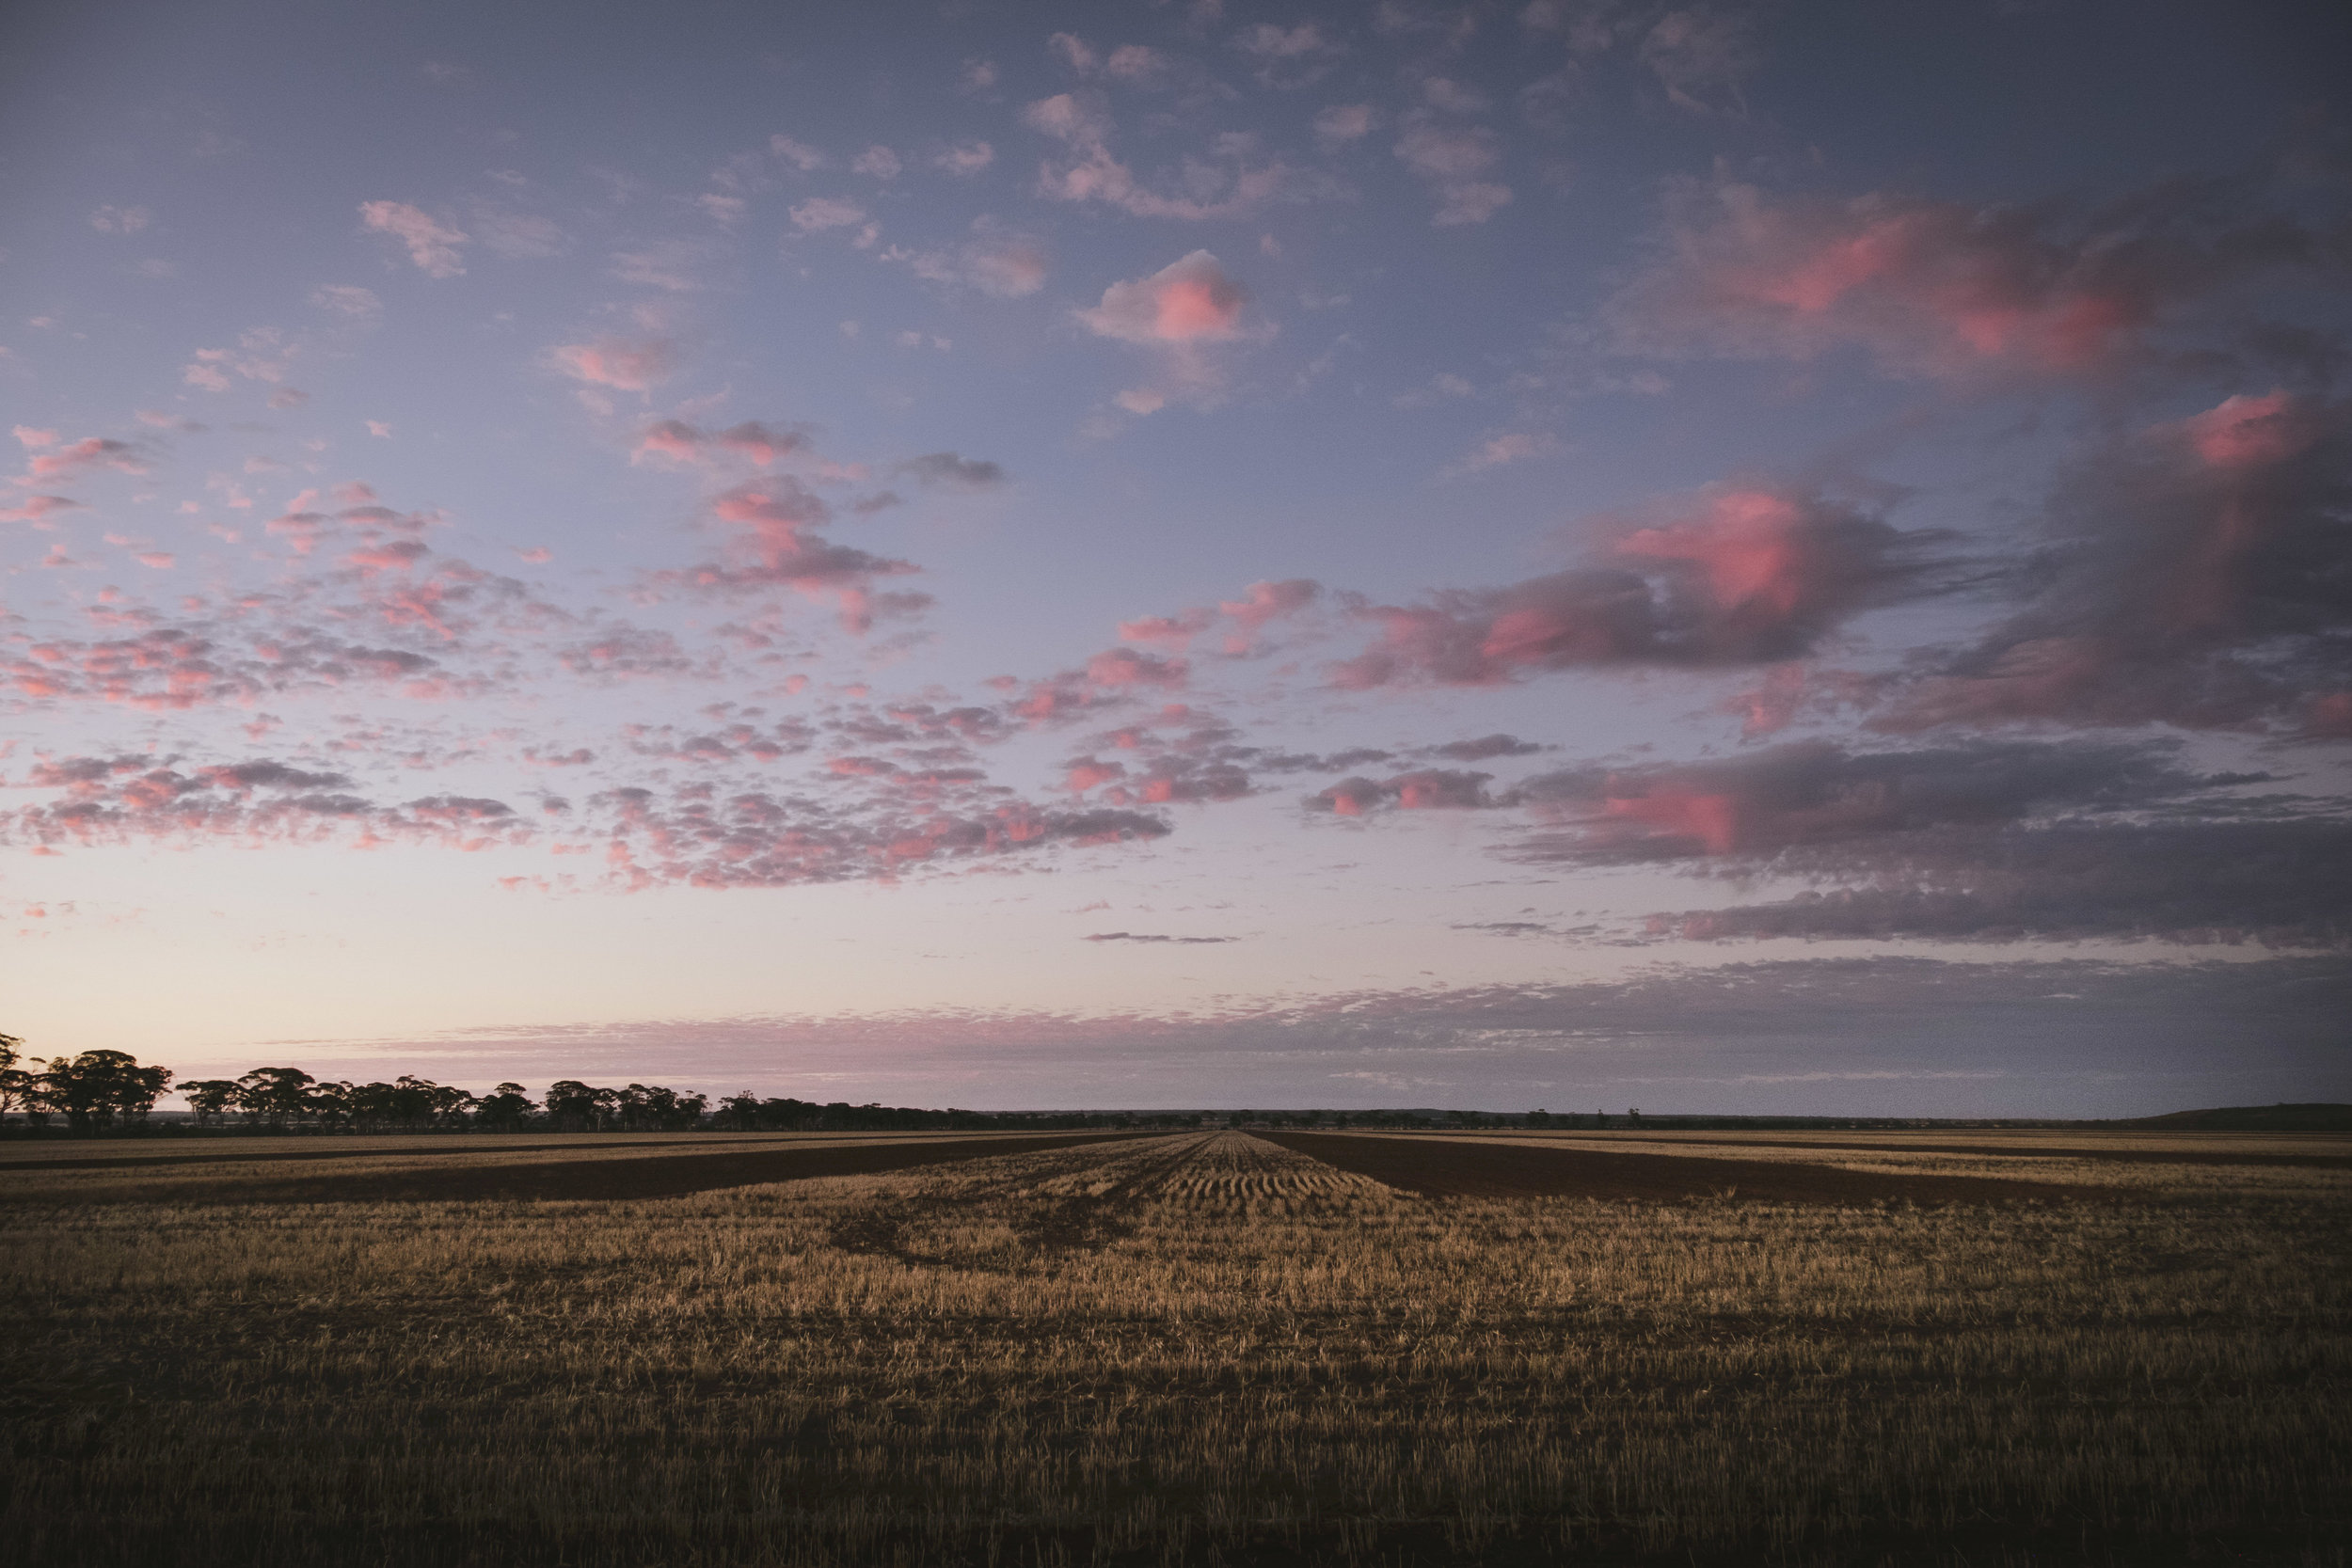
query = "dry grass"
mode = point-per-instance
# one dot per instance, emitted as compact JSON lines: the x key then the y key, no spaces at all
{"x":1177,"y":1350}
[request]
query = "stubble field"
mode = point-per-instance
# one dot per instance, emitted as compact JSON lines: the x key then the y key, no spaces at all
{"x":1200,"y":1348}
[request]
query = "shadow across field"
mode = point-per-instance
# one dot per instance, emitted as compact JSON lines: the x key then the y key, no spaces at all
{"x":1438,"y":1168}
{"x":325,"y":1150}
{"x":2041,"y":1152}
{"x":594,"y":1181}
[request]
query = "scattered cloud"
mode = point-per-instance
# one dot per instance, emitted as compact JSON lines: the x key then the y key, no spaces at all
{"x":1980,"y":840}
{"x":348,"y":300}
{"x":1455,"y":161}
{"x":797,"y":155}
{"x":1732,"y":575}
{"x":1344,"y":123}
{"x":1941,"y":289}
{"x":1136,"y":936}
{"x":1231,"y":182}
{"x":624,"y":364}
{"x":946,"y":468}
{"x":1700,"y":56}
{"x":965,"y":158}
{"x":1190,"y":300}
{"x":432,"y":245}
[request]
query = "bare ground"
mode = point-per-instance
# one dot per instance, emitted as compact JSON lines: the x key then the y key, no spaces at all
{"x":1450,"y":1167}
{"x":590,"y":1179}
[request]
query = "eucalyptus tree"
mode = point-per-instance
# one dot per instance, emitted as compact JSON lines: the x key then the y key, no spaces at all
{"x":100,"y":1089}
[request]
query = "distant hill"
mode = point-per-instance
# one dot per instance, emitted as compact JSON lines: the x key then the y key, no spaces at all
{"x":2322,"y":1117}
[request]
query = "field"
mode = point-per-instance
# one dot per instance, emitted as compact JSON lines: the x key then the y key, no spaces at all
{"x":1212,"y":1347}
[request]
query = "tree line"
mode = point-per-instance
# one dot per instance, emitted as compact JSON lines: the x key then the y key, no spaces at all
{"x":95,"y":1092}
{"x":105,"y":1091}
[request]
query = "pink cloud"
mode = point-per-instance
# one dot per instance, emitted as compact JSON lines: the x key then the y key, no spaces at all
{"x":1759,"y":553}
{"x":2199,"y":581}
{"x":628,"y":652}
{"x":431,"y":245}
{"x":49,"y":460}
{"x":675,"y":441}
{"x":2249,"y":432}
{"x":1425,"y":789}
{"x":1786,"y":690}
{"x":1109,"y":678}
{"x":1732,"y":575}
{"x":773,"y":544}
{"x":1261,"y":603}
{"x":37,"y":510}
{"x":127,"y":799}
{"x":629,"y":365}
{"x":1936,"y":288}
{"x":1087,"y":772}
{"x":1189,"y":300}
{"x":1173,"y":631}
{"x":1124,"y":667}
{"x":750,"y":839}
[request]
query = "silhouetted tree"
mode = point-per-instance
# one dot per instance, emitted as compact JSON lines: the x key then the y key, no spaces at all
{"x":98,"y":1088}
{"x":577,"y":1107}
{"x":20,"y":1087}
{"x":505,"y":1109}
{"x":333,"y":1106}
{"x":275,"y":1096}
{"x":210,"y":1097}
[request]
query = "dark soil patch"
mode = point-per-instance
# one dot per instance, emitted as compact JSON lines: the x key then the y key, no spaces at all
{"x":457,"y":1144}
{"x":1439,"y":1168}
{"x":2134,"y":1156}
{"x":594,"y":1180}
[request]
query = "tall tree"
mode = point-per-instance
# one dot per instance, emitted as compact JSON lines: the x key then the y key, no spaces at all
{"x":100,"y":1089}
{"x":210,"y":1099}
{"x":19,"y":1088}
{"x":506,"y":1109}
{"x":577,"y":1107}
{"x":274,"y":1095}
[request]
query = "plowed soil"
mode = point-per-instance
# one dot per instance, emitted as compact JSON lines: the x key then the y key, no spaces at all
{"x":2045,"y":1152}
{"x":230,"y":1154}
{"x":605,"y":1179}
{"x":1437,"y":1168}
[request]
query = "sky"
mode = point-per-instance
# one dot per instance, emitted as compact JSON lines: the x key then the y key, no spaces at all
{"x":1569,"y":554}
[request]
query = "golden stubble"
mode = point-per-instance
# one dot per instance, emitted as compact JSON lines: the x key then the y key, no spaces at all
{"x":1158,"y":1350}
